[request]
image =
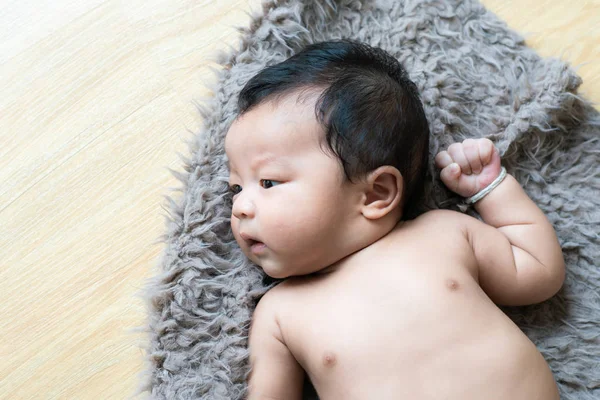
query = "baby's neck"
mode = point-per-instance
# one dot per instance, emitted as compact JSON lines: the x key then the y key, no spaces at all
{"x":338,"y":265}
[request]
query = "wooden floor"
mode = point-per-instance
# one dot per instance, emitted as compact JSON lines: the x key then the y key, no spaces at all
{"x":96,"y":99}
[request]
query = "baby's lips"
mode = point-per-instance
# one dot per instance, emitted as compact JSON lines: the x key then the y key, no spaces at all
{"x":249,"y":239}
{"x":245,"y":236}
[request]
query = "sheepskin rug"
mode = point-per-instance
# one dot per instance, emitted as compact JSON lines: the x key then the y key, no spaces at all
{"x":477,"y":79}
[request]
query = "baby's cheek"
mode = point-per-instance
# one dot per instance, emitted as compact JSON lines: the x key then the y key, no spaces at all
{"x":296,"y":217}
{"x":287,"y":225}
{"x":283,"y":229}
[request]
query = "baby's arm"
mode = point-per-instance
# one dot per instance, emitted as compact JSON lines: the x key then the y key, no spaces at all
{"x":275,"y":373}
{"x":519,"y":256}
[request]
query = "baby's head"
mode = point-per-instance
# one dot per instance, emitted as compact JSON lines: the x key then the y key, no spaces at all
{"x":326,"y":156}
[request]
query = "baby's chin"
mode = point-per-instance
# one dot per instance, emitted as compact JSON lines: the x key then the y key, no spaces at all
{"x":278,"y":268}
{"x":275,"y":269}
{"x":275,"y":272}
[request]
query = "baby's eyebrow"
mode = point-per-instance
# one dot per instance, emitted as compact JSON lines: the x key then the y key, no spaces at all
{"x":267,"y":159}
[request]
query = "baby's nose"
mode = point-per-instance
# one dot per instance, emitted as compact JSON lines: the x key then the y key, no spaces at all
{"x":243,"y":208}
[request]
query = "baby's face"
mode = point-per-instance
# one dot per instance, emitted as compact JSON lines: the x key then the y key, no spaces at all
{"x":292,"y":203}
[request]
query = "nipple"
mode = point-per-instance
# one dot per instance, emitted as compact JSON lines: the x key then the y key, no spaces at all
{"x":329,"y":359}
{"x":452,"y":284}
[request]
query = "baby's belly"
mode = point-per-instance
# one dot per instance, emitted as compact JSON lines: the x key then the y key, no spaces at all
{"x":417,"y":340}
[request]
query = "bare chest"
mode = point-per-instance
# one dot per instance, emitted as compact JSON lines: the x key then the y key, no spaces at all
{"x":386,"y":319}
{"x":406,"y":320}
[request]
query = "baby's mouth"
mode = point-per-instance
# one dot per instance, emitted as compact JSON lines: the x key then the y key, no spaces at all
{"x":256,"y":247}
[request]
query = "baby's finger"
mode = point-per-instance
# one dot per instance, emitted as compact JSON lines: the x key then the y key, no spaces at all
{"x":450,"y":175}
{"x":471,"y":150}
{"x":443,"y":159}
{"x":456,"y":152}
{"x":486,"y":150}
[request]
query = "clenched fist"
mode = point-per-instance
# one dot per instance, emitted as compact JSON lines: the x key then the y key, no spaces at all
{"x":470,"y":166}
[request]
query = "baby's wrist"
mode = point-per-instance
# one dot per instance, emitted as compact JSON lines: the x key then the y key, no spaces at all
{"x":485,"y":191}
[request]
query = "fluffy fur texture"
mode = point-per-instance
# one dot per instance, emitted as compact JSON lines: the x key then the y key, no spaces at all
{"x":477,"y":79}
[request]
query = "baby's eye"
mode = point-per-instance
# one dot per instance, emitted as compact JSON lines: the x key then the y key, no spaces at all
{"x":235,"y":189}
{"x":268,"y":183}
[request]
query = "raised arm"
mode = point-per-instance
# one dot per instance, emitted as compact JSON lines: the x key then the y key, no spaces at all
{"x":519,"y":256}
{"x":275,"y":374}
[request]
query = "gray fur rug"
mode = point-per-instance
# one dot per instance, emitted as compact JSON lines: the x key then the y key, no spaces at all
{"x":477,"y":79}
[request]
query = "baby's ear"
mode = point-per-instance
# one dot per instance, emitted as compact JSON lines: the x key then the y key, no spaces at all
{"x":382,"y":193}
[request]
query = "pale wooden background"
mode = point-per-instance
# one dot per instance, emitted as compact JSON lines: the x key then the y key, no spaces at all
{"x":96,"y":98}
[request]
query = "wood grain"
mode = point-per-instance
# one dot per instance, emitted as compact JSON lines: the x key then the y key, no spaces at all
{"x":97,"y":99}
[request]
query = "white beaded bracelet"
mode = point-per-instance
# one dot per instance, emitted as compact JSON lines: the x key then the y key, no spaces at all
{"x":475,"y":198}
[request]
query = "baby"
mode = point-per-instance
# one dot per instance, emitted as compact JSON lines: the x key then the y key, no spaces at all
{"x":327,"y":161}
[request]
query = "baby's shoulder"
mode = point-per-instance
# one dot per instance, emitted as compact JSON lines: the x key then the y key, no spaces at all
{"x":284,"y":303}
{"x":282,"y":294}
{"x":437,"y":219}
{"x":437,"y":229}
{"x":440,"y":215}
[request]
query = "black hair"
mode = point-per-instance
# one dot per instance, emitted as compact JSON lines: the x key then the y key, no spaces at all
{"x":370,"y":110}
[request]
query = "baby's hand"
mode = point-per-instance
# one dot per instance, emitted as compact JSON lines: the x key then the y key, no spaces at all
{"x":470,"y":166}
